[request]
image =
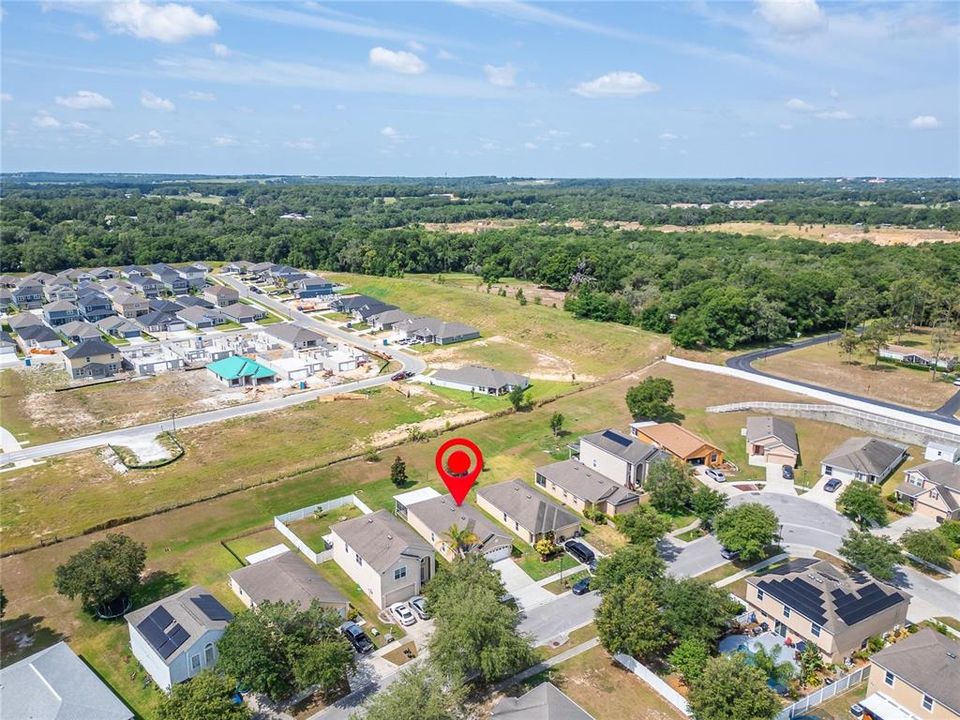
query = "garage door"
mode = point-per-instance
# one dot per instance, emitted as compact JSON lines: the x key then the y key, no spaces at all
{"x":399,"y":594}
{"x":499,"y":554}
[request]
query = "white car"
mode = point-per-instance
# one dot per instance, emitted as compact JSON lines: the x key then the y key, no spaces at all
{"x":403,"y":614}
{"x":715,"y":475}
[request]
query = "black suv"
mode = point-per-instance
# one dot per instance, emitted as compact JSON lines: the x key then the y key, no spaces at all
{"x":357,"y":637}
{"x":581,"y":552}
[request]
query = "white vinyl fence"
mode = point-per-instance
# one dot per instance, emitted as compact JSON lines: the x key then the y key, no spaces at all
{"x":279,"y":522}
{"x":825,"y":693}
{"x":654,"y":681}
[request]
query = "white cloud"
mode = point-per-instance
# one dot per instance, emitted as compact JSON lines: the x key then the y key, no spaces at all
{"x":45,"y":120}
{"x":399,"y":61}
{"x":835,"y":115}
{"x":793,"y":18}
{"x":616,"y":84}
{"x":296,"y":107}
{"x":225,"y":141}
{"x":786,"y":126}
{"x":530,"y":146}
{"x":503,"y":76}
{"x":170,"y":23}
{"x":154,"y":102}
{"x":85,"y":100}
{"x":587,"y":145}
{"x":6,"y":97}
{"x":220,"y":50}
{"x":799,"y":105}
{"x":925,"y":122}
{"x":200,"y":96}
{"x":834,"y":94}
{"x":667,"y":136}
{"x":151,"y":138}
{"x":79,"y":126}
{"x":304,"y":143}
{"x":87,"y":35}
{"x":415,"y":46}
{"x":445,"y":55}
{"x":340,"y":107}
{"x":393,"y":135}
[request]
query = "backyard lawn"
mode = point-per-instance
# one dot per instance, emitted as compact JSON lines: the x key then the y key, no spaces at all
{"x":313,"y":529}
{"x":838,"y":708}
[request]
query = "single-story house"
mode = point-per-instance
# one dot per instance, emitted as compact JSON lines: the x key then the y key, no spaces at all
{"x":102,"y":273}
{"x":77,"y":331}
{"x":679,"y":442}
{"x":433,"y":330}
{"x":131,"y":271}
{"x":347,"y":304}
{"x":576,"y":485}
{"x":544,"y":702}
{"x":262,"y":268}
{"x":528,"y":512}
{"x":237,"y":370}
{"x":151,"y":359}
{"x":241,"y":313}
{"x":863,"y":458}
{"x":295,"y":336}
{"x":917,"y":356}
{"x":120,"y":327}
{"x":200,"y":318}
{"x":313,"y":287}
{"x":22,"y":320}
{"x":387,"y":319}
{"x":60,"y":312}
{"x":8,"y":346}
{"x":92,"y":359}
{"x":817,"y":602}
{"x":194,"y":301}
{"x":55,"y":684}
{"x":59,"y":291}
{"x":163,"y":305}
{"x":130,"y":306}
{"x":622,"y":458}
{"x":221,"y":296}
{"x":933,"y":489}
{"x":158,"y":321}
{"x":176,"y":638}
{"x":942,"y":451}
{"x":39,"y":337}
{"x":916,"y":677}
{"x":363,"y":312}
{"x":383,"y":556}
{"x":40,"y":277}
{"x":232,"y":268}
{"x":771,"y":441}
{"x":341,"y":360}
{"x":483,"y":380}
{"x":286,"y":578}
{"x":434,"y":517}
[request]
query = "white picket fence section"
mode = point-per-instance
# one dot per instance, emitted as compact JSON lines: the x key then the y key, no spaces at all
{"x":280,"y":521}
{"x":825,"y":693}
{"x":651,"y":679}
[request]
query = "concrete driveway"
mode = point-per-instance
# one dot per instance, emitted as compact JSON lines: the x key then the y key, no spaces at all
{"x":916,"y":521}
{"x":776,"y":483}
{"x":818,"y":495}
{"x":523,"y":588}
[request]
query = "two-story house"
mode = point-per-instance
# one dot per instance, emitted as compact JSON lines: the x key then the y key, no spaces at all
{"x":933,"y":489}
{"x":92,"y":359}
{"x":27,"y":295}
{"x":623,"y":459}
{"x":94,"y":306}
{"x":130,"y":306}
{"x":60,"y":312}
{"x":146,"y":285}
{"x":313,"y":287}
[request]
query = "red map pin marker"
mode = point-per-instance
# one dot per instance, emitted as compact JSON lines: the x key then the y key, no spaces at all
{"x":455,"y":470}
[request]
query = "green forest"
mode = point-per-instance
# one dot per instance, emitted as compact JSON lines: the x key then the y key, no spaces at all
{"x":704,"y":288}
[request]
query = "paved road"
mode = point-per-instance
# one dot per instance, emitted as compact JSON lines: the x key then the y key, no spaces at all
{"x":410,"y":362}
{"x":745,"y":362}
{"x":561,"y":616}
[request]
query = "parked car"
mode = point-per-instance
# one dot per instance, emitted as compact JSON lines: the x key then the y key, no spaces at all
{"x":402,"y":613}
{"x":580,"y":552}
{"x":357,"y":637}
{"x":787,"y":472}
{"x":728,"y":554}
{"x":255,"y":289}
{"x":831,"y":485}
{"x":715,"y":475}
{"x":408,"y":374}
{"x":581,"y":587}
{"x":419,"y":606}
{"x":397,"y":377}
{"x":856,"y":711}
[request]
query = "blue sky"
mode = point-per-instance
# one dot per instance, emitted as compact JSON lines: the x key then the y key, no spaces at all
{"x":642,"y":89}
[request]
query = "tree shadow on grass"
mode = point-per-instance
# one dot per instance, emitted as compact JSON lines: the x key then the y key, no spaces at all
{"x":23,"y":636}
{"x":156,"y":586}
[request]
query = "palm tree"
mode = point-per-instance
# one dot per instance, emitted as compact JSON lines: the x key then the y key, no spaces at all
{"x":460,"y":539}
{"x":778,"y":671}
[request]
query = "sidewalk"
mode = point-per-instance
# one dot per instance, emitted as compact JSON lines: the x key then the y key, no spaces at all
{"x":546,"y":664}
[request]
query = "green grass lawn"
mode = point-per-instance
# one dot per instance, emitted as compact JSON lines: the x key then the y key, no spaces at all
{"x":113,"y":340}
{"x":561,"y":586}
{"x":312,"y":530}
{"x":578,"y":636}
{"x":337,"y":317}
{"x":719,"y":573}
{"x":538,"y":390}
{"x":255,"y":542}
{"x":361,"y":602}
{"x":531,"y":564}
{"x":949,"y":621}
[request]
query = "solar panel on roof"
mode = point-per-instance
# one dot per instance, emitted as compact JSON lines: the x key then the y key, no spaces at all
{"x":616,"y":437}
{"x":152,"y":633}
{"x":178,"y":636}
{"x":161,"y":617}
{"x":211,"y":607}
{"x":852,"y":610}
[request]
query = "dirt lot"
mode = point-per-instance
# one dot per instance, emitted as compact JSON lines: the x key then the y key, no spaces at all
{"x":828,"y":233}
{"x":823,"y":364}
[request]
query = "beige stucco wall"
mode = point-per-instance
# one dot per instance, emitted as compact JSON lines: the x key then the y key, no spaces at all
{"x":606,"y":464}
{"x":563,"y":496}
{"x":364,"y":575}
{"x":906,"y":696}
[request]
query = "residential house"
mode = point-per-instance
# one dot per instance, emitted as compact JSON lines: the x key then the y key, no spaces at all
{"x":477,"y":379}
{"x":200,"y":318}
{"x":6,"y":299}
{"x":295,"y":336}
{"x":132,"y":271}
{"x":362,"y":313}
{"x":102,"y":273}
{"x":771,"y":441}
{"x":544,"y":702}
{"x":22,"y":320}
{"x":238,"y":267}
{"x":145,"y":360}
{"x":92,"y":359}
{"x":577,"y":486}
{"x":433,"y":517}
{"x":348,"y":304}
{"x":8,"y":346}
{"x":77,"y":331}
{"x":383,"y":556}
{"x":942,"y":451}
{"x":55,"y":684}
{"x":9,"y":281}
{"x":115,"y":287}
{"x":221,"y":296}
{"x":167,"y":306}
{"x":817,"y":602}
{"x":313,"y":287}
{"x":916,"y":677}
{"x":193,"y":274}
{"x":59,"y":290}
{"x":40,"y":277}
{"x":933,"y":489}
{"x":343,"y":359}
{"x":237,"y":370}
{"x":917,"y":356}
{"x":527,"y":512}
{"x":156,"y":321}
{"x":146,"y":285}
{"x":119,"y":327}
{"x":387,"y":319}
{"x":173,"y":282}
{"x":27,"y":295}
{"x":863,"y":458}
{"x":158,"y":269}
{"x":241,"y":313}
{"x":94,"y":306}
{"x":679,"y":442}
{"x":60,"y":313}
{"x":623,"y":459}
{"x":194,"y":301}
{"x":39,"y":337}
{"x":130,"y":306}
{"x":432,"y":330}
{"x":286,"y":578}
{"x":176,"y":638}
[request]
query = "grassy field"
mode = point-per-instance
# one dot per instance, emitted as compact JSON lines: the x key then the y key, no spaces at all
{"x":824,"y":365}
{"x":580,"y":635}
{"x":534,"y":339}
{"x":312,"y":530}
{"x":538,"y":390}
{"x":14,"y":416}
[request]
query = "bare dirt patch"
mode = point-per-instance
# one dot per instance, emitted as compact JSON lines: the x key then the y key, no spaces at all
{"x":828,"y":233}
{"x":402,"y":432}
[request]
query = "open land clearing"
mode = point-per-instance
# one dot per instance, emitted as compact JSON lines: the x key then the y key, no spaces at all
{"x":824,"y":365}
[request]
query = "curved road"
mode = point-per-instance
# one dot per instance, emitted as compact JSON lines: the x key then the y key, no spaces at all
{"x":745,"y":362}
{"x":411,"y":363}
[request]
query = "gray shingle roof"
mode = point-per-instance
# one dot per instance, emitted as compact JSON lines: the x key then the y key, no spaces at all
{"x":197,"y":314}
{"x":55,"y":684}
{"x":23,"y":320}
{"x":381,"y":539}
{"x":40,"y":333}
{"x":89,"y":348}
{"x":439,"y":513}
{"x":293,"y":333}
{"x":527,"y":506}
{"x":929,"y":662}
{"x":483,"y":377}
{"x":544,"y":702}
{"x":81,"y":329}
{"x":585,"y":484}
{"x":623,"y":446}
{"x":240,"y":311}
{"x":762,"y":426}
{"x":865,"y":454}
{"x":286,"y":578}
{"x":940,"y":472}
{"x":60,"y":306}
